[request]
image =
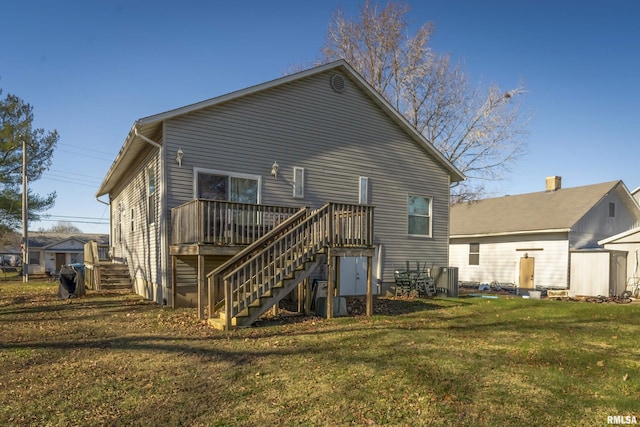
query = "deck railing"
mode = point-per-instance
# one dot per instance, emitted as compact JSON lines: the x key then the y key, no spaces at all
{"x":93,"y":254}
{"x":224,"y":223}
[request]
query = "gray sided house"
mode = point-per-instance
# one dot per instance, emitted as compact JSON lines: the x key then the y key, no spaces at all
{"x":530,"y":240}
{"x":193,"y":187}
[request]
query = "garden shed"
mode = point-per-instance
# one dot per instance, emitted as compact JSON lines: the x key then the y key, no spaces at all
{"x":598,"y":272}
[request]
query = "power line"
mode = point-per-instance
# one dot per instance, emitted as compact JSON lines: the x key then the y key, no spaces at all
{"x":81,"y":217}
{"x":58,"y":176}
{"x":79,"y":222}
{"x":84,"y":155}
{"x":89,"y":149}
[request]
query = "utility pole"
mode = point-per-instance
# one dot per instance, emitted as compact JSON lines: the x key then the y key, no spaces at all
{"x":25,"y":214}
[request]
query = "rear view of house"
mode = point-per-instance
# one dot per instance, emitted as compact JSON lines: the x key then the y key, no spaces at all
{"x":528,"y":239}
{"x":318,"y":154}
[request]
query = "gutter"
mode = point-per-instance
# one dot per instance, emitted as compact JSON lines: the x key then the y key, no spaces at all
{"x":510,"y":233}
{"x":103,"y":202}
{"x":144,"y":138}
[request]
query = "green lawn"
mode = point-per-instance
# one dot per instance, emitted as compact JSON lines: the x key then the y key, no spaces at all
{"x":115,"y":359}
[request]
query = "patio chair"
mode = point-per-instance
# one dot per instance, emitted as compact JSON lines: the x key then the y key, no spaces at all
{"x":403,"y":283}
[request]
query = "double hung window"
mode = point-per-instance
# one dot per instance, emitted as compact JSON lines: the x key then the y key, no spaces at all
{"x":419,"y":212}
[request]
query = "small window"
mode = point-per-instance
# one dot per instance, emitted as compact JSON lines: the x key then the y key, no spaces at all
{"x":363,"y":190}
{"x":474,"y":253}
{"x":34,"y":257}
{"x":151,"y":196}
{"x":133,"y":220}
{"x":612,"y":210}
{"x":298,"y":182}
{"x":419,"y":212}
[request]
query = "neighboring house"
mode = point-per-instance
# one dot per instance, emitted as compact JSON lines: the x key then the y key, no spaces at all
{"x":628,"y":242}
{"x":528,"y":240}
{"x":192,"y":186}
{"x":636,"y":194}
{"x":50,"y":251}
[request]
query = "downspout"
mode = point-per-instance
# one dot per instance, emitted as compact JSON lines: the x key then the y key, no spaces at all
{"x":163,"y":299}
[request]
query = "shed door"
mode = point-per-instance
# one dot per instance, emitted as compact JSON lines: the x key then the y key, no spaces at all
{"x":60,"y":260}
{"x":526,"y":272}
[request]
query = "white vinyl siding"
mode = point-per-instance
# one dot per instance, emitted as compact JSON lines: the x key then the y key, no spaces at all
{"x":136,"y":237}
{"x":598,"y":224}
{"x":501,"y":259}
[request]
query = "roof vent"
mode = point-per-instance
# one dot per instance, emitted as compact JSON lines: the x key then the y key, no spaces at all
{"x":337,"y":83}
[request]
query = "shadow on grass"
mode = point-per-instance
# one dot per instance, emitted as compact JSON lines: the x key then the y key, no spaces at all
{"x":21,"y":308}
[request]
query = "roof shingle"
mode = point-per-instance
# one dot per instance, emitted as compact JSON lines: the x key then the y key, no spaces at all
{"x":560,"y":209}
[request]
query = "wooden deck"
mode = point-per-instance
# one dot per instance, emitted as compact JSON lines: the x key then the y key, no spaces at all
{"x":269,"y":251}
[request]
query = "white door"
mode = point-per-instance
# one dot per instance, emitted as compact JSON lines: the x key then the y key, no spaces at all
{"x":353,"y":275}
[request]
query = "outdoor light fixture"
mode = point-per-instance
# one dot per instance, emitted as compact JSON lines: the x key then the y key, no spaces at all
{"x":179,"y":156}
{"x":274,"y":169}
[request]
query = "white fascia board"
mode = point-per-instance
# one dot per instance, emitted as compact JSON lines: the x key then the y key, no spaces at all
{"x":510,"y":233}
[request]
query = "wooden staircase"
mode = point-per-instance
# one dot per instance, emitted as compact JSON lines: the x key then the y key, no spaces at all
{"x":263,"y":273}
{"x":114,"y":276}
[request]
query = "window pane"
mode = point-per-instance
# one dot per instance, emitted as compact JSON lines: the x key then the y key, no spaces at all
{"x":419,"y":225}
{"x":34,"y":257}
{"x":474,"y":259}
{"x":418,"y":205}
{"x":298,"y":182}
{"x":244,"y":190}
{"x":152,"y":181}
{"x":364,"y":190}
{"x":212,"y":187}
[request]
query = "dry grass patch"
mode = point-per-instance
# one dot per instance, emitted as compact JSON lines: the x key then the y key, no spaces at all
{"x":115,"y":359}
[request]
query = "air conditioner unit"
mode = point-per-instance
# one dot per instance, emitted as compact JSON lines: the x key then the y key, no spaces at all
{"x":446,"y":278}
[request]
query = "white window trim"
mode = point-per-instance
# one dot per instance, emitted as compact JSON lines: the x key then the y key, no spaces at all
{"x":363,"y":190}
{"x":474,"y":253}
{"x":298,"y":184}
{"x":430,"y":216}
{"x":196,"y":171}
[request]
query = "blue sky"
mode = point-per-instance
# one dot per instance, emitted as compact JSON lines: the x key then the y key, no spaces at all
{"x":91,"y":68}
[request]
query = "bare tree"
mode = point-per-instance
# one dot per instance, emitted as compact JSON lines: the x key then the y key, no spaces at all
{"x":65,"y":227}
{"x":480,"y":131}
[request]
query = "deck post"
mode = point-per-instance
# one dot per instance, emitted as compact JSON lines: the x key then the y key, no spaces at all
{"x":213,"y":294}
{"x":173,"y":281}
{"x":301,"y":296}
{"x":307,"y":296}
{"x":201,"y":287}
{"x":331,"y":277}
{"x":369,"y":286}
{"x":337,"y":273}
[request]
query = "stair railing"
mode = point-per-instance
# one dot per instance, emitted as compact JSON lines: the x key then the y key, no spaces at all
{"x":259,"y":268}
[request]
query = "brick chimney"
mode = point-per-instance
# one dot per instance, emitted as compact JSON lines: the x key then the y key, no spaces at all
{"x":554,"y":183}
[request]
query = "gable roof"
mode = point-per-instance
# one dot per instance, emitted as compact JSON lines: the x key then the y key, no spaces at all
{"x":45,"y":240}
{"x":145,"y":131}
{"x":527,"y":213}
{"x":629,"y":236}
